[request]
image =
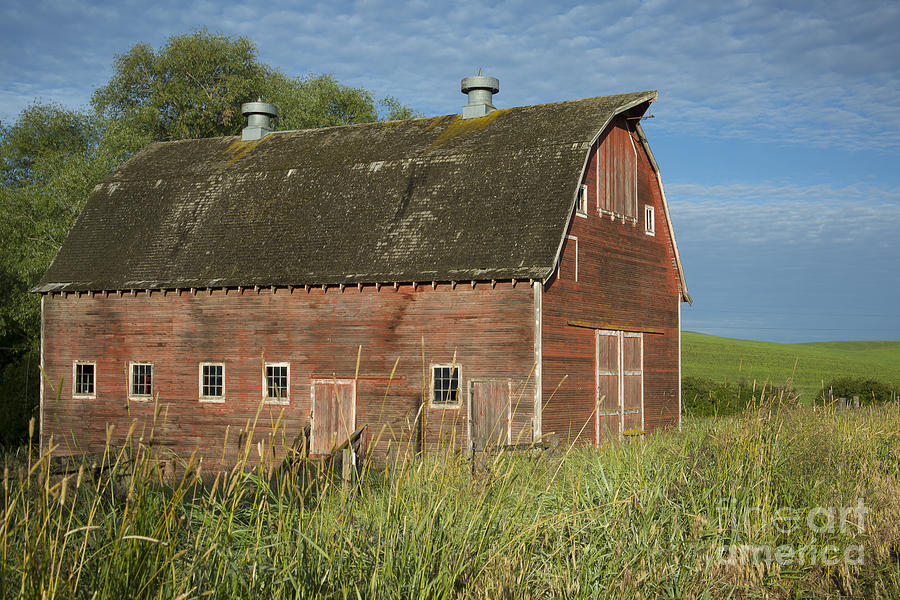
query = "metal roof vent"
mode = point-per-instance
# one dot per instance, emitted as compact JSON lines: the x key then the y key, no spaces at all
{"x":480,"y":89}
{"x":259,"y":119}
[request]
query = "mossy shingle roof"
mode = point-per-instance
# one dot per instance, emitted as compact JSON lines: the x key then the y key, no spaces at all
{"x":434,"y":199}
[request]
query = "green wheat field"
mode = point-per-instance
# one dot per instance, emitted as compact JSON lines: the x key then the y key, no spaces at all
{"x":811,"y":365}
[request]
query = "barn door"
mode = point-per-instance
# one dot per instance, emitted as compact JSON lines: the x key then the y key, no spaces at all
{"x":332,"y":413}
{"x":620,"y":384}
{"x":489,"y":411}
{"x":632,"y":382}
{"x":608,"y":405}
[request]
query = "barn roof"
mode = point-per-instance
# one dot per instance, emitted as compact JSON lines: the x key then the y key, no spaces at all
{"x":434,"y":199}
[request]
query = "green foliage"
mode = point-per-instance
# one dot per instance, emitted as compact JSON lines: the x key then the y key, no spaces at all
{"x":19,"y":394}
{"x":42,"y":135}
{"x":48,"y":164}
{"x":869,"y":390}
{"x":397,"y":111}
{"x":629,"y":520}
{"x":195,"y":84}
{"x":808,"y":366}
{"x":702,"y":397}
{"x":192,"y":87}
{"x":318,"y":101}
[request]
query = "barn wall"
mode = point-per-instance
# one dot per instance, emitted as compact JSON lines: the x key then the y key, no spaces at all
{"x":626,"y":278}
{"x":318,"y":333}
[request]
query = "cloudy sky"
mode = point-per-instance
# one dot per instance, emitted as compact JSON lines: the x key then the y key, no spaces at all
{"x":777,"y":128}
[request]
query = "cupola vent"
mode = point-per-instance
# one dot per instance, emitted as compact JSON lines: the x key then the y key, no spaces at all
{"x":480,"y":89}
{"x":259,"y":119}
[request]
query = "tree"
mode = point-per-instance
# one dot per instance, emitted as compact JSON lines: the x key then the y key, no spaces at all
{"x":318,"y":101}
{"x":192,"y":87}
{"x":49,"y":161}
{"x":195,"y":84}
{"x":396,"y":111}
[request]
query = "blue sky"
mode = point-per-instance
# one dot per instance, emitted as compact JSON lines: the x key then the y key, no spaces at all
{"x":777,"y":128}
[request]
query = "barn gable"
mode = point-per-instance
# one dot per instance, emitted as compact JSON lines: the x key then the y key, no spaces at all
{"x":435,"y":199}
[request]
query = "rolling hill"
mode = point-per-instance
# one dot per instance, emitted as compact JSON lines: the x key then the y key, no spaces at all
{"x":810,"y":364}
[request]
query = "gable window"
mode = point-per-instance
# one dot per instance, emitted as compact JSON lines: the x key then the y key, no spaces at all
{"x":84,"y":377}
{"x":445,"y":385}
{"x":140,"y":385}
{"x":649,"y":220}
{"x":581,"y":206}
{"x":212,"y":382}
{"x":276,"y":383}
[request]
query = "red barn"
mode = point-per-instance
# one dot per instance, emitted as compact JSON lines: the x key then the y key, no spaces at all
{"x":499,"y":274}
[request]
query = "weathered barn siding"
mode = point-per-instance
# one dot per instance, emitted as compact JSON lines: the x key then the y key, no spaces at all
{"x":626,"y":280}
{"x":490,"y":330}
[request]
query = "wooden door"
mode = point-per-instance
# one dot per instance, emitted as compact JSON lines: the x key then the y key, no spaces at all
{"x":333,"y":413}
{"x":489,"y":411}
{"x":608,"y":405}
{"x":620,"y":384}
{"x":632,"y":382}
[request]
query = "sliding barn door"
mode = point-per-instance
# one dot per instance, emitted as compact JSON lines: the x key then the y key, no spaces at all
{"x":333,"y":413}
{"x":620,"y":384}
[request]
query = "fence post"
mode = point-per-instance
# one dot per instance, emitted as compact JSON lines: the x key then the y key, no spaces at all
{"x":842,"y":403}
{"x":855,"y":402}
{"x":346,"y":468}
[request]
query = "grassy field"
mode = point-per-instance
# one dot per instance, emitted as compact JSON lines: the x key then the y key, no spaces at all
{"x":681,"y":514}
{"x":809,"y":364}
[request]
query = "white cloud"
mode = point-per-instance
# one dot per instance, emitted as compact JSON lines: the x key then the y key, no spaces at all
{"x":789,"y":215}
{"x":824,"y":74}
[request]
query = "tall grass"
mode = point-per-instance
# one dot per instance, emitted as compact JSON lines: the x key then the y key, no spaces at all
{"x":640,"y":519}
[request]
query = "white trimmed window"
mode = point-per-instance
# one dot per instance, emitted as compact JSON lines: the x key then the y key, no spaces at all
{"x":277,"y":383}
{"x":649,"y":220}
{"x":84,"y":378}
{"x":581,"y":206}
{"x":445,"y":386}
{"x":212,"y":382}
{"x":140,"y":381}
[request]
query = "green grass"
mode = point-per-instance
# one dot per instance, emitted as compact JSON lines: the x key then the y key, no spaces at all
{"x":809,"y":364}
{"x":628,"y":520}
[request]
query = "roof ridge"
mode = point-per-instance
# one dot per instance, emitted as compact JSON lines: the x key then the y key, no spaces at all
{"x":373,"y":123}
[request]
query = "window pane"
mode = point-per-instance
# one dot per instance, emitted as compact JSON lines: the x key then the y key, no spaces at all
{"x":276,"y":381}
{"x":446,"y":385}
{"x":213,"y":376}
{"x":141,"y":380}
{"x":84,"y":379}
